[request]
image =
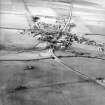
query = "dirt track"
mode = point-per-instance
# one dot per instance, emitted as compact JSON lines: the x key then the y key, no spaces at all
{"x":38,"y":86}
{"x":72,"y":92}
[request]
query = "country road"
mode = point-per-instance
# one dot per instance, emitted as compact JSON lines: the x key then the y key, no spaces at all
{"x":25,"y":79}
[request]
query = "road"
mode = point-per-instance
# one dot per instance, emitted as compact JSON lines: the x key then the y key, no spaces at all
{"x":48,"y":82}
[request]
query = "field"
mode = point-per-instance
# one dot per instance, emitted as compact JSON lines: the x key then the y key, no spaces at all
{"x":41,"y":82}
{"x":45,"y":81}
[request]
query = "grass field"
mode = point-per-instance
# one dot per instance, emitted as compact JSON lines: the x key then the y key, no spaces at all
{"x":73,"y":92}
{"x":49,"y":83}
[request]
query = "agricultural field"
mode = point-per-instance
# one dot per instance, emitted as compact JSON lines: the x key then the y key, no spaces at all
{"x":29,"y":73}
